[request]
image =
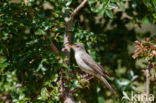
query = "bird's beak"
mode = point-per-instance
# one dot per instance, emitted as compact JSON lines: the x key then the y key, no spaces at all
{"x":70,"y":46}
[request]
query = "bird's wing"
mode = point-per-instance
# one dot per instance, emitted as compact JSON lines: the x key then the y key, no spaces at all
{"x":102,"y":69}
{"x":92,"y":64}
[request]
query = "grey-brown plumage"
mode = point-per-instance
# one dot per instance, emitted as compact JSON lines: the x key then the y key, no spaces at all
{"x":88,"y":65}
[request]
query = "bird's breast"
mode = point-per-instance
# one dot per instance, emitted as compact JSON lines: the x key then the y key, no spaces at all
{"x":82,"y":65}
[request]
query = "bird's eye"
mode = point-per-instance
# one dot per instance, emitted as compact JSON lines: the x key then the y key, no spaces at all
{"x":77,"y":46}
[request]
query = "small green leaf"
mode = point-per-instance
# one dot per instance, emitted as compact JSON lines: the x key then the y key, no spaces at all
{"x":60,"y":1}
{"x":148,"y":58}
{"x":109,"y":14}
{"x":104,"y":0}
{"x":112,"y":6}
{"x":91,"y":1}
{"x":76,"y":84}
{"x":101,"y":99}
{"x":114,"y":0}
{"x":69,"y":2}
{"x":44,"y":93}
{"x":101,"y":12}
{"x":39,"y":32}
{"x":122,"y":6}
{"x":154,"y":3}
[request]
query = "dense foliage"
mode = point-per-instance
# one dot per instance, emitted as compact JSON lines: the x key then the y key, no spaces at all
{"x":29,"y":69}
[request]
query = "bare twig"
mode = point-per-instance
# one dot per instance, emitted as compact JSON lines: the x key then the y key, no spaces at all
{"x":53,"y":47}
{"x":148,"y":81}
{"x":78,"y":9}
{"x":25,"y":2}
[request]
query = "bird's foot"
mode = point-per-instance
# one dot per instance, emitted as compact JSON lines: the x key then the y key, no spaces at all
{"x":84,"y":75}
{"x":90,"y":77}
{"x":87,"y":77}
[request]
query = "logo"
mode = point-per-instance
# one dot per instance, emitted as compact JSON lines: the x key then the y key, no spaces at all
{"x":137,"y":97}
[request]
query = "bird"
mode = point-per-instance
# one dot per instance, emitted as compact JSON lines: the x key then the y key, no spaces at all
{"x":89,"y":65}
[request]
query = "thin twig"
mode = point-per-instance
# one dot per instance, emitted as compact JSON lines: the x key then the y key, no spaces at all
{"x":77,"y":9}
{"x":52,"y":45}
{"x":25,"y":2}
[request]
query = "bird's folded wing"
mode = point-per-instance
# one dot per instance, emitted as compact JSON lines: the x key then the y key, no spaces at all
{"x":103,"y":69}
{"x":92,"y":64}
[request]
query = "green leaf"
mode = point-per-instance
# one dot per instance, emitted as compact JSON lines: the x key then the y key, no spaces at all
{"x":122,"y":6}
{"x":76,"y":84}
{"x":44,"y":93}
{"x":112,"y":6}
{"x":109,"y":13}
{"x":115,"y":0}
{"x":100,"y":12}
{"x":69,"y":2}
{"x":38,"y":32}
{"x":101,"y":100}
{"x":148,"y":58}
{"x":104,"y":0}
{"x":154,"y":3}
{"x":145,"y":20}
{"x":92,"y":1}
{"x":60,"y":1}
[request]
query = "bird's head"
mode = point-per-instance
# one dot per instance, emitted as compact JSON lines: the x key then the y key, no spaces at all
{"x":77,"y":47}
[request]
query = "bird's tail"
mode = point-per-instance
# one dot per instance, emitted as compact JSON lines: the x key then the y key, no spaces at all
{"x":106,"y":83}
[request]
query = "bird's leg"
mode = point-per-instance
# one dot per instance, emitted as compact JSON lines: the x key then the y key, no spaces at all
{"x":87,"y":77}
{"x":90,"y":77}
{"x":84,"y":75}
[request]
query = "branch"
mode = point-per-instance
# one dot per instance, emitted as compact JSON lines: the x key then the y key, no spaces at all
{"x":77,"y":9}
{"x":148,"y":81}
{"x":52,"y":45}
{"x":25,"y":2}
{"x":68,"y":96}
{"x":5,"y":98}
